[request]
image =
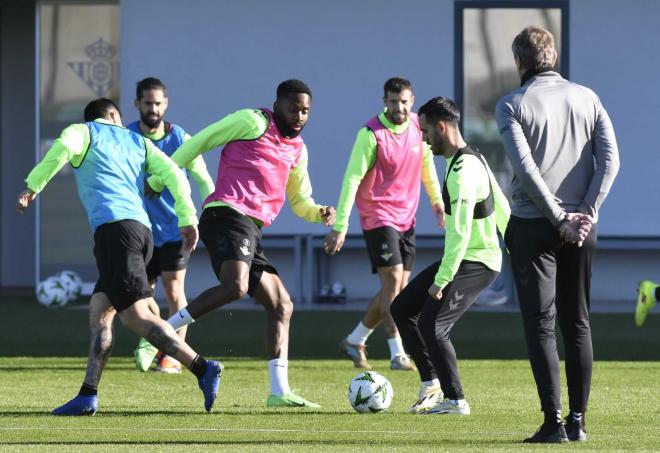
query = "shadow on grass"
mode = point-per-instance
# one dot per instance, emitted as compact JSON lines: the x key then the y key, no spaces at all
{"x":404,"y":442}
{"x":306,"y":413}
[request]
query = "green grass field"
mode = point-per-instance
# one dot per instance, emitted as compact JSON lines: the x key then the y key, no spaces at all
{"x":42,"y":364}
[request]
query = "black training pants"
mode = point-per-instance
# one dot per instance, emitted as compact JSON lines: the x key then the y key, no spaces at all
{"x":424,"y":323}
{"x":553,"y":279}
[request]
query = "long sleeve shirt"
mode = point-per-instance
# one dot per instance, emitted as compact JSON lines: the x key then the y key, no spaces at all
{"x":561,"y":145}
{"x":72,"y":145}
{"x":196,"y":169}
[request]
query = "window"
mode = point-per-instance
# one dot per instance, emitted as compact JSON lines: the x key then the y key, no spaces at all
{"x":485,"y":68}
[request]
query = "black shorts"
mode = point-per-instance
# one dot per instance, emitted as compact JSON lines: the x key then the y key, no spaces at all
{"x":169,"y":257}
{"x":389,"y":247}
{"x":122,"y":250}
{"x":231,"y":236}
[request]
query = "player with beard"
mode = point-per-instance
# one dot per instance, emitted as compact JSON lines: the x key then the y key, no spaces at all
{"x":263,"y":161}
{"x":388,"y":161}
{"x":169,"y":259}
{"x":427,"y":309}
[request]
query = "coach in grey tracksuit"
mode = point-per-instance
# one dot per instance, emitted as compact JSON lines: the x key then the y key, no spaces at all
{"x":561,"y":145}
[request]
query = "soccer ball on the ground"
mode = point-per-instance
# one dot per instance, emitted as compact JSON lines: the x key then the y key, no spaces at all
{"x":370,"y":392}
{"x":52,"y":293}
{"x":72,"y":283}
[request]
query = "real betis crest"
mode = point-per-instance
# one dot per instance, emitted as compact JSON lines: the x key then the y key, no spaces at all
{"x":101,"y":73}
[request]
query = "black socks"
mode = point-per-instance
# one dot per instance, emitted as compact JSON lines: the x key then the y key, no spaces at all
{"x":552,"y":418}
{"x":198,"y":366}
{"x":87,"y":390}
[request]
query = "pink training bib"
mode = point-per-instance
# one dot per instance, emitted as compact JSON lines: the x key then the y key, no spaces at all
{"x":389,"y":193}
{"x":252,"y":174}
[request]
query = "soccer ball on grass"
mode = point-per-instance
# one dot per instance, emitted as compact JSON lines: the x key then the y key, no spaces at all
{"x":72,"y":283}
{"x":370,"y":392}
{"x":52,"y":293}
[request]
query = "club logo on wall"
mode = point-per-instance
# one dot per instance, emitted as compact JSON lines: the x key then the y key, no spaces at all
{"x":101,"y":73}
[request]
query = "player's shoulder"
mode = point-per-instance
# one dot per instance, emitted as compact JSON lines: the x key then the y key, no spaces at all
{"x":511,"y":100}
{"x":174,"y":128}
{"x":249,"y":113}
{"x":76,"y":127}
{"x":255,"y":116}
{"x":466,"y":167}
{"x":584,"y":91}
{"x":414,"y":119}
{"x":134,"y":126}
{"x":466,"y":160}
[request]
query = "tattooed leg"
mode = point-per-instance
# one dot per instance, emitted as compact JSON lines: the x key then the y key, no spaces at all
{"x":143,"y":322}
{"x":164,"y":339}
{"x":101,"y":317}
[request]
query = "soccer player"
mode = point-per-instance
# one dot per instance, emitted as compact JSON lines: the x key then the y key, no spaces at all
{"x":562,"y":148}
{"x":427,"y":309}
{"x":169,"y":259}
{"x":387,"y":163}
{"x":264,"y":159}
{"x":647,"y":296}
{"x":109,"y":163}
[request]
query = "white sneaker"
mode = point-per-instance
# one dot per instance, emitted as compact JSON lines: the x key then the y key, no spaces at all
{"x":429,"y":397}
{"x":402,"y":362}
{"x":460,"y":407}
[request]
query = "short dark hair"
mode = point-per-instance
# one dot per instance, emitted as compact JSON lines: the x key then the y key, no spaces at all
{"x":440,"y":108}
{"x":396,"y":85}
{"x":100,"y":108}
{"x":150,"y":83}
{"x":294,"y":86}
{"x":534,"y":47}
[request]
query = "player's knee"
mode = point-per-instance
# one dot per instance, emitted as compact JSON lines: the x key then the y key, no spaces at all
{"x":237,"y":288}
{"x":540,"y":330}
{"x":426,"y":325}
{"x":172,"y":292}
{"x":104,"y":322}
{"x":576,"y":331}
{"x":391,"y":278}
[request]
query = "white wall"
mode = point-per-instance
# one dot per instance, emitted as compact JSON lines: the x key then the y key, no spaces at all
{"x":614,"y":51}
{"x":217,"y":57}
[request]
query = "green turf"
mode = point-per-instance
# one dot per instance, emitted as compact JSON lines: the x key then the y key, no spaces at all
{"x":153,"y":412}
{"x":156,"y":412}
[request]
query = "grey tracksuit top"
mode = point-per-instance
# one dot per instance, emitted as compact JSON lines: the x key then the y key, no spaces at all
{"x":561,"y":144}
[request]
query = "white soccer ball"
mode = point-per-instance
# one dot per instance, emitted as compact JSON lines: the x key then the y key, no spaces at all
{"x":52,"y":293}
{"x":370,"y":392}
{"x":72,"y":283}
